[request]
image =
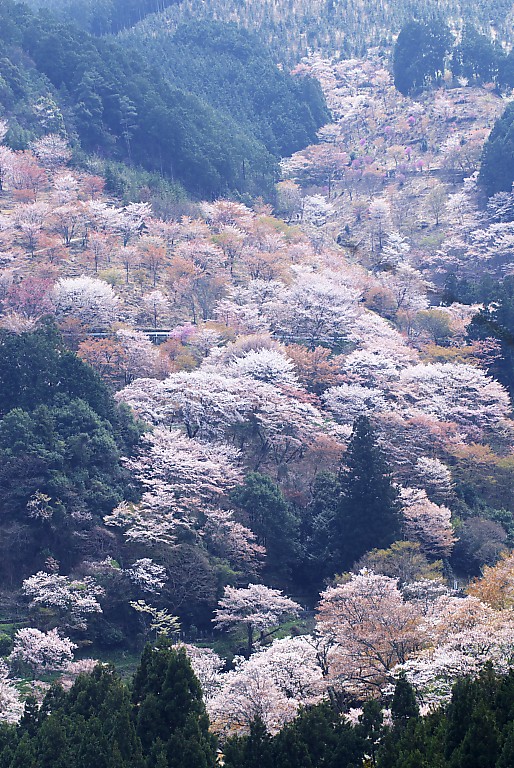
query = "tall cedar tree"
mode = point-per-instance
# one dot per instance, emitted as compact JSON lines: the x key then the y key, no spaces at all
{"x":369,"y":510}
{"x":404,"y":705}
{"x":171,"y":720}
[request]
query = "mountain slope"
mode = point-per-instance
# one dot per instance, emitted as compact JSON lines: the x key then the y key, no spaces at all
{"x":126,"y":108}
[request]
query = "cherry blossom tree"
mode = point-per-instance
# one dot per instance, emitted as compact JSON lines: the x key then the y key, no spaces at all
{"x":232,"y":541}
{"x":455,"y":392}
{"x":29,"y":298}
{"x":155,"y":304}
{"x":69,"y":222}
{"x":257,"y":608}
{"x":408,"y":287}
{"x":316,"y":210}
{"x":90,"y":300}
{"x":270,"y":365}
{"x":267,"y":422}
{"x":318,"y":307}
{"x":75,"y":668}
{"x":138,"y":356}
{"x":434,"y":670}
{"x":27,"y":177}
{"x":392,"y":254}
{"x":41,"y":651}
{"x":427,"y":523}
{"x":29,"y":219}
{"x":132,"y":220}
{"x":272,"y":684}
{"x":71,"y":601}
{"x":372,"y":369}
{"x":65,"y":191}
{"x":248,"y":693}
{"x":380,"y":221}
{"x":207,"y":666}
{"x":11,"y":705}
{"x":7,"y":163}
{"x":349,"y":401}
{"x":183,"y":480}
{"x":435,"y":478}
{"x":372,"y":629}
{"x":373,"y":334}
{"x":51,"y":150}
{"x":93,"y":186}
{"x":142,"y":524}
{"x":147,"y":575}
{"x":194,"y":472}
{"x":321,"y":164}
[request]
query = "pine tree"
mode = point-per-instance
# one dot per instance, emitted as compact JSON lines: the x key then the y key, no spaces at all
{"x":25,"y":754}
{"x":506,"y":759}
{"x":459,"y":714}
{"x":53,"y":744}
{"x":257,"y":752}
{"x":480,"y":746}
{"x":371,"y":726}
{"x":171,"y":717}
{"x":29,"y":720}
{"x":419,"y":54}
{"x":369,"y":511}
{"x":404,"y":705}
{"x":319,"y":558}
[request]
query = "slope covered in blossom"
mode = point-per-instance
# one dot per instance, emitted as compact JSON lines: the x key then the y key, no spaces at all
{"x":316,"y":416}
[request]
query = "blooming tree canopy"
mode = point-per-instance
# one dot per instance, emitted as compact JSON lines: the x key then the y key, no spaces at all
{"x":255,"y":607}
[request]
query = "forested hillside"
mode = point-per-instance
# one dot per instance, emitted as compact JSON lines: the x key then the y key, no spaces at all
{"x":332,"y":27}
{"x":101,"y":17}
{"x":269,"y":440}
{"x":116,"y":103}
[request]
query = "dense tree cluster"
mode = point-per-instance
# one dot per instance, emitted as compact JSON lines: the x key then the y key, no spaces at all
{"x":419,"y":54}
{"x":160,"y":721}
{"x":292,"y":32}
{"x":61,"y":437}
{"x":161,"y":117}
{"x":313,"y":420}
{"x":424,"y":49}
{"x":104,"y":17}
{"x":497,"y":169}
{"x":475,"y":728}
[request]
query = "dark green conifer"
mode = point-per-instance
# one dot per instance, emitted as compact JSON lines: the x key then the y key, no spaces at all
{"x":369,"y":510}
{"x":459,"y":714}
{"x":404,"y":705}
{"x":269,"y":516}
{"x":24,"y":755}
{"x":371,"y":727}
{"x":419,"y":54}
{"x":170,"y":713}
{"x":29,"y":720}
{"x":480,"y":746}
{"x":506,"y":758}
